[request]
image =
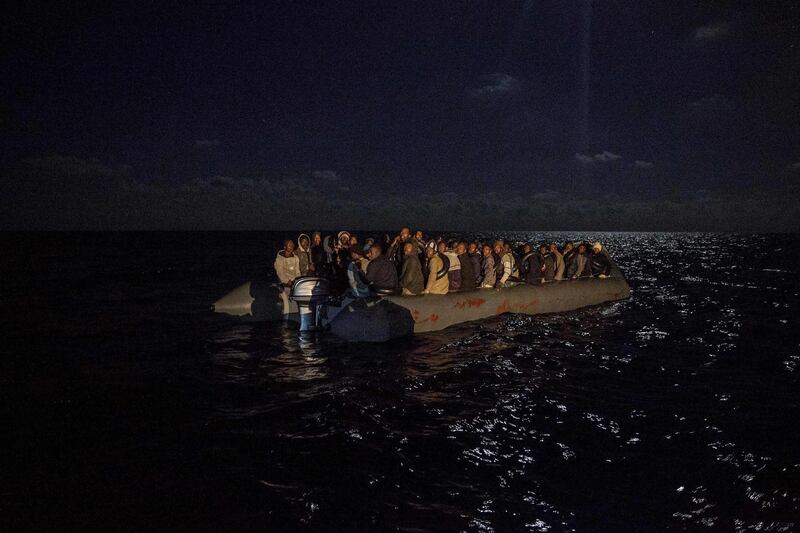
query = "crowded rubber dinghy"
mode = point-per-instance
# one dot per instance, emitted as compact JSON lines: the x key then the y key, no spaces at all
{"x":391,"y":287}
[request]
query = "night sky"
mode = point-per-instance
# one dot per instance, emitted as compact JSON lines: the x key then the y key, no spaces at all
{"x":571,"y":115}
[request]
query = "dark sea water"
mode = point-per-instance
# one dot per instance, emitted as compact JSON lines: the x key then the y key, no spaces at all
{"x":127,"y":405}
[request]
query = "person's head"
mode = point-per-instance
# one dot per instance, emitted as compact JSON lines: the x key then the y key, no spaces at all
{"x":487,"y":250}
{"x":506,"y":247}
{"x":344,"y":238}
{"x":317,"y":238}
{"x":303,"y":241}
{"x":353,"y":240}
{"x":582,"y":248}
{"x":288,"y":246}
{"x":374,"y":252}
{"x":526,"y":249}
{"x":568,"y":246}
{"x":473,"y":248}
{"x":553,"y":247}
{"x":461,"y":248}
{"x":355,"y":254}
{"x":597,"y":247}
{"x":542,"y":248}
{"x":370,"y":241}
{"x":418,"y":235}
{"x":498,"y":247}
{"x":405,"y":233}
{"x":430,"y":251}
{"x":441,"y":246}
{"x":408,"y":249}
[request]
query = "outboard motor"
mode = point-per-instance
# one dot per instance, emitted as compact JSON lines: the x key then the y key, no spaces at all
{"x":311,"y":295}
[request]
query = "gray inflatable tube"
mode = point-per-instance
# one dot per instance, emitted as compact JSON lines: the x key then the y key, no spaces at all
{"x":384,"y":318}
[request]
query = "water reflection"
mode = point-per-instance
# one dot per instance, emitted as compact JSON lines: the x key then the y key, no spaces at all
{"x":538,"y":422}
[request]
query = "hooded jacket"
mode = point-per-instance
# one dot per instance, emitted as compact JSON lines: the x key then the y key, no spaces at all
{"x":304,"y":255}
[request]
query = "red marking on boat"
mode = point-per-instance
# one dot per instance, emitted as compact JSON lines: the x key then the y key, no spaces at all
{"x":529,"y":305}
{"x":503,"y":308}
{"x":434,"y":317}
{"x":469,"y":302}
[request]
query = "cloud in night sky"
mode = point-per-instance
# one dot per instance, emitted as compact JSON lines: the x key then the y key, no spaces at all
{"x":603,"y":157}
{"x":712,"y":32}
{"x":73,"y":193}
{"x":328,"y":175}
{"x":643,"y":164}
{"x":496,"y":86}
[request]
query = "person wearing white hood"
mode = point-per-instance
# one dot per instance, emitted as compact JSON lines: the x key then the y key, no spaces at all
{"x":303,"y":254}
{"x":287,"y":264}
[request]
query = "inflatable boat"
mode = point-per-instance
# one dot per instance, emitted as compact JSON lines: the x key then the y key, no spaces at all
{"x":310,"y":304}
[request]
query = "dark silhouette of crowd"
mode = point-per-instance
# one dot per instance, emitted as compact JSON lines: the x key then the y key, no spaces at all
{"x":409,"y":264}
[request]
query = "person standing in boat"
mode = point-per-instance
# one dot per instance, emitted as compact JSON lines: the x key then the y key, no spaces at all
{"x":438,"y":282}
{"x":287,"y":264}
{"x":411,"y":280}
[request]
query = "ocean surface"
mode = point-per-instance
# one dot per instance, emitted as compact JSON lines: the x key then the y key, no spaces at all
{"x":127,"y":405}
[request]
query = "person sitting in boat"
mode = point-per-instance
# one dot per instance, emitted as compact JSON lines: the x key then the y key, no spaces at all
{"x":381,"y":273}
{"x":356,"y":273}
{"x":319,"y":258}
{"x":411,"y":280}
{"x":559,"y":262}
{"x":547,"y":262}
{"x":438,"y":282}
{"x":488,"y":273}
{"x":303,"y":253}
{"x":580,"y":266}
{"x":568,"y":255}
{"x":441,"y":251}
{"x":395,"y":252}
{"x":531,"y":266}
{"x":474,"y":254}
{"x":419,"y":239}
{"x":600,"y":263}
{"x":467,"y":277}
{"x":454,"y":271}
{"x":368,"y":244}
{"x":287,"y":264}
{"x":504,"y":267}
